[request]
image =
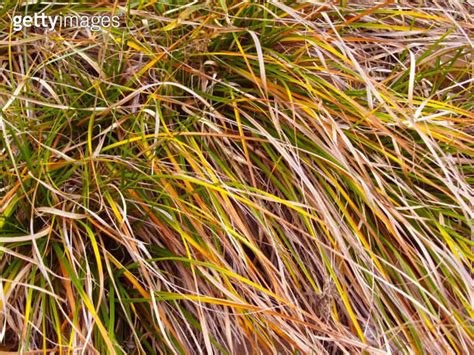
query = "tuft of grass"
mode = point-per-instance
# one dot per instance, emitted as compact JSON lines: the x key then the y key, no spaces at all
{"x":238,"y":177}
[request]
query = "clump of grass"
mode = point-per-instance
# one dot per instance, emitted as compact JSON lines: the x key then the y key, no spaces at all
{"x":238,"y":177}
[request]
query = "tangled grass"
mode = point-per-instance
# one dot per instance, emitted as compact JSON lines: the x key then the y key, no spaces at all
{"x":238,"y":177}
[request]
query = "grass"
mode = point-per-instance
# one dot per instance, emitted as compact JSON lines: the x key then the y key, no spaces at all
{"x":238,"y":177}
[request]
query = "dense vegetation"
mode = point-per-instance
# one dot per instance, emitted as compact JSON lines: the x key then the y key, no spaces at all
{"x":238,"y":177}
